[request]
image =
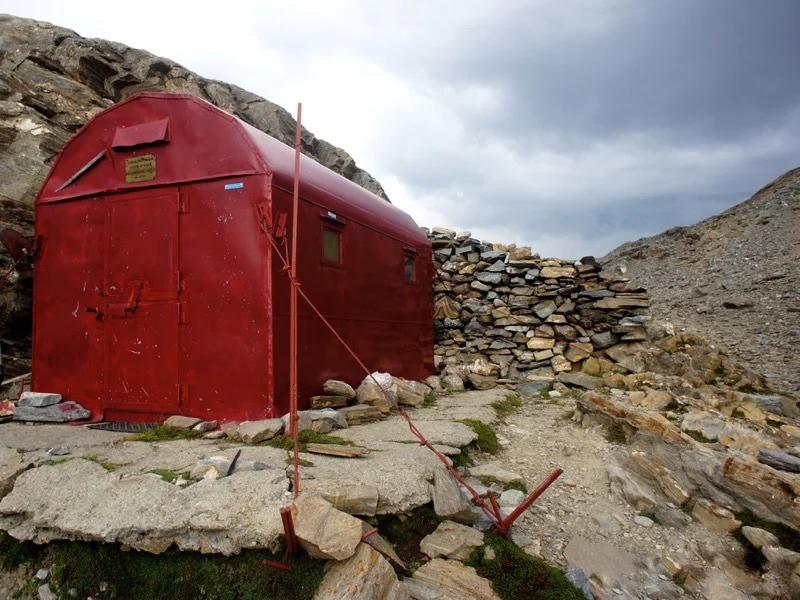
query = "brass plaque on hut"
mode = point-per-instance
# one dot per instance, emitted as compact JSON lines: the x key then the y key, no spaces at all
{"x":140,"y":168}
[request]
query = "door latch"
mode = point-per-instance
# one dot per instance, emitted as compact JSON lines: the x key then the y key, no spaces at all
{"x":133,"y":298}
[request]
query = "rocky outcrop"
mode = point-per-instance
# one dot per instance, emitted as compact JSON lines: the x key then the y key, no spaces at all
{"x":52,"y":81}
{"x":731,"y":278}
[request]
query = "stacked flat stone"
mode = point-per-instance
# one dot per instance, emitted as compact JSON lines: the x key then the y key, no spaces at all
{"x":529,"y":316}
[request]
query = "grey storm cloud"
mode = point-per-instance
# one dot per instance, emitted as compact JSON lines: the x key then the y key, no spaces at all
{"x":700,"y":71}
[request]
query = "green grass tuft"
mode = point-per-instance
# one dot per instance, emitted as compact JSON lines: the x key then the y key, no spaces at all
{"x":82,"y":567}
{"x":544,"y":393}
{"x":108,"y":466}
{"x":487,"y":438}
{"x":509,"y":405}
{"x":516,"y":575}
{"x":170,"y":476}
{"x":161,"y":433}
{"x":430,"y":399}
{"x":304,"y":438}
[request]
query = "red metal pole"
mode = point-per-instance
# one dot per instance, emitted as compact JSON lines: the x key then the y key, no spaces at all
{"x":293,"y":304}
{"x":292,"y":544}
{"x":505,"y":525}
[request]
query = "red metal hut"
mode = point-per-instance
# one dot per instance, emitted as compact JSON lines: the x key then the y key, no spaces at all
{"x":157,"y":288}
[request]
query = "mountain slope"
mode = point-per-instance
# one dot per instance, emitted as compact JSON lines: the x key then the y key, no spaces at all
{"x":733,"y":277}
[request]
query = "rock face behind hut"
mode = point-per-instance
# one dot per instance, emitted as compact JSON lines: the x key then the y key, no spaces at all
{"x":52,"y":81}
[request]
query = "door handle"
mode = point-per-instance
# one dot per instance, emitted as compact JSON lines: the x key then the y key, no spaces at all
{"x":133,"y":298}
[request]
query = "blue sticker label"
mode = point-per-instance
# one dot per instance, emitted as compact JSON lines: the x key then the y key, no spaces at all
{"x":234,"y":186}
{"x":332,"y":215}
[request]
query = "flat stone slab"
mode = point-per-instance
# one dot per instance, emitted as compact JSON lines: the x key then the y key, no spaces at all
{"x":27,"y":438}
{"x":81,"y":500}
{"x":337,"y":450}
{"x":484,"y":414}
{"x":401,"y":472}
{"x":54,"y":413}
{"x":472,"y":399}
{"x":12,"y":463}
{"x":395,"y":429}
{"x":599,"y":558}
{"x":39,"y":399}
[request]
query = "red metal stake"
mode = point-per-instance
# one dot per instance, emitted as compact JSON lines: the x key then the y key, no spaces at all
{"x":277,"y":565}
{"x":505,"y":525}
{"x":495,"y":508}
{"x":292,"y":545}
{"x":293,"y":304}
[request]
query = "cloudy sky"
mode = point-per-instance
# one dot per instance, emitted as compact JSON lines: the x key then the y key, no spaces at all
{"x":569,"y":125}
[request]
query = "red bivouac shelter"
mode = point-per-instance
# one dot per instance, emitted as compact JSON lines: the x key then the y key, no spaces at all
{"x":158,"y":290}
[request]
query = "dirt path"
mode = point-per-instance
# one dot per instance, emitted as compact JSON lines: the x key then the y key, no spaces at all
{"x":581,"y":506}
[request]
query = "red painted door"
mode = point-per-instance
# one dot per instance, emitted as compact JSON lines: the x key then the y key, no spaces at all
{"x":142,"y":311}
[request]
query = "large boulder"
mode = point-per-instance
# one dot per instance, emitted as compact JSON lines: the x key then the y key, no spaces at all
{"x":366,"y":575}
{"x":323,"y":531}
{"x":451,"y":540}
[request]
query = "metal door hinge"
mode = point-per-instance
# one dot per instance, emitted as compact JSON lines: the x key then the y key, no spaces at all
{"x":182,"y":316}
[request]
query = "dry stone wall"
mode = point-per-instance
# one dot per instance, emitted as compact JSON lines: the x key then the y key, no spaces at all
{"x":510,"y":314}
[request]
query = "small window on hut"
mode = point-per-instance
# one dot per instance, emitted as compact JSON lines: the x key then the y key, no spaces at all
{"x":331,"y":244}
{"x":409,"y":265}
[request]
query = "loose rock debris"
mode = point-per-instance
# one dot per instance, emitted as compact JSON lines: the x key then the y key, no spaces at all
{"x":664,"y":467}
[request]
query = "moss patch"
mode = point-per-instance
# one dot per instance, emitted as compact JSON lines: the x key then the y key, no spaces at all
{"x":516,"y":485}
{"x":462,"y":460}
{"x":615,"y":434}
{"x":509,"y":405}
{"x":788,"y":538}
{"x":699,"y":437}
{"x":304,"y":438}
{"x":14,"y":553}
{"x":487,"y":437}
{"x":516,"y":575}
{"x":161,"y":433}
{"x":430,"y":399}
{"x":488,"y":480}
{"x":180,"y":575}
{"x":405,"y":532}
